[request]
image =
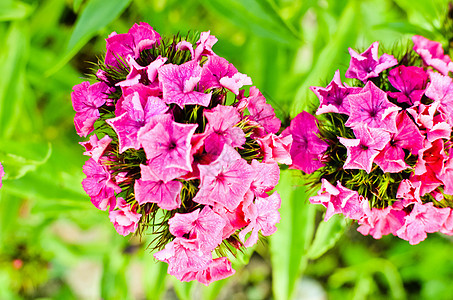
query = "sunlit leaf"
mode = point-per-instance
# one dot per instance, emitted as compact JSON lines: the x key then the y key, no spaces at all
{"x":327,"y":234}
{"x":96,"y":15}
{"x":14,"y":10}
{"x":12,"y":68}
{"x":295,"y":230}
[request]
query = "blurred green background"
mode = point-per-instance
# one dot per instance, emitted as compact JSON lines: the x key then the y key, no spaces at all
{"x":55,"y":245}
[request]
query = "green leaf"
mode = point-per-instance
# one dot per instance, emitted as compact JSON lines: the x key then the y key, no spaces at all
{"x":295,"y":231}
{"x":155,"y":277}
{"x":96,"y":15}
{"x":332,"y":56}
{"x":12,"y":67}
{"x":14,"y":10}
{"x":183,"y":290}
{"x":407,"y":28}
{"x":260,"y":17}
{"x":327,"y":234}
{"x":19,"y":158}
{"x":76,"y":5}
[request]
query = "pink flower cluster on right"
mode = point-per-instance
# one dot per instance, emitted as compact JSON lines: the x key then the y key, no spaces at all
{"x":390,"y":165}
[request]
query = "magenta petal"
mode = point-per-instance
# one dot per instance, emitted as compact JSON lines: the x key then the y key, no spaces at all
{"x":235,"y":82}
{"x":98,"y":185}
{"x":276,"y":148}
{"x":266,"y":177}
{"x":372,"y":107}
{"x":144,"y":37}
{"x":86,"y":100}
{"x":367,"y":64}
{"x":432,"y":54}
{"x":205,"y":226}
{"x":167,"y":147}
{"x":307,"y":148}
{"x":366,"y":147}
{"x":213,"y":70}
{"x":265,"y":219}
{"x":440,"y":89}
{"x":379,"y":222}
{"x":262,"y":112}
{"x":334,"y":98}
{"x":182,"y":256}
{"x":224,"y":181}
{"x":204,"y":45}
{"x":410,"y":81}
{"x":151,"y":189}
{"x":220,"y":129}
{"x":95,"y":147}
{"x":125,"y":220}
{"x":422,"y":219}
{"x":178,"y":84}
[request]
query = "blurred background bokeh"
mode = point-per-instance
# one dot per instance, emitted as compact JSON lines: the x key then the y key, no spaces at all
{"x":54,"y":244}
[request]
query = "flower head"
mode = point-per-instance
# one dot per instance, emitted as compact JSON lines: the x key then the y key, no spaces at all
{"x":367,"y":64}
{"x":307,"y":148}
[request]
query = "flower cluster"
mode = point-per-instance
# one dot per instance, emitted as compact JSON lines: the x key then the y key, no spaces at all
{"x":180,"y":147}
{"x":384,"y":148}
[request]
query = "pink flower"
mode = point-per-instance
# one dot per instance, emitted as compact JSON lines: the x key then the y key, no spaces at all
{"x":185,"y":46}
{"x":179,"y":84}
{"x":138,"y":112}
{"x":391,"y":158}
{"x":424,"y":218}
{"x":95,"y":147}
{"x":183,"y":256}
{"x":276,"y":148}
{"x":220,"y":129}
{"x":234,"y":219}
{"x":138,"y":38}
{"x":432,"y":121}
{"x":362,"y":150}
{"x":372,"y":107}
{"x":333,"y":98}
{"x":441,"y":89}
{"x":205,"y":226}
{"x":264,"y":219}
{"x":86,"y":99}
{"x":266,"y":177}
{"x":446,"y":176}
{"x":447,"y":227}
{"x":218,"y":73}
{"x":307,"y":148}
{"x":2,"y":173}
{"x":167,"y":147}
{"x":261,"y":112}
{"x":217,"y":269}
{"x":367,"y":64}
{"x":432,"y":54}
{"x":410,"y":81}
{"x":339,"y":200}
{"x":408,"y":191}
{"x":224,"y":181}
{"x":141,"y":75}
{"x":379,"y":222}
{"x":152,"y":189}
{"x":432,"y":156}
{"x":204,"y":45}
{"x":124,"y":219}
{"x":99,"y":186}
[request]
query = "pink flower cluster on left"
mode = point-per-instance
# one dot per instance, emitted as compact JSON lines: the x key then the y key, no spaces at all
{"x":166,"y":145}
